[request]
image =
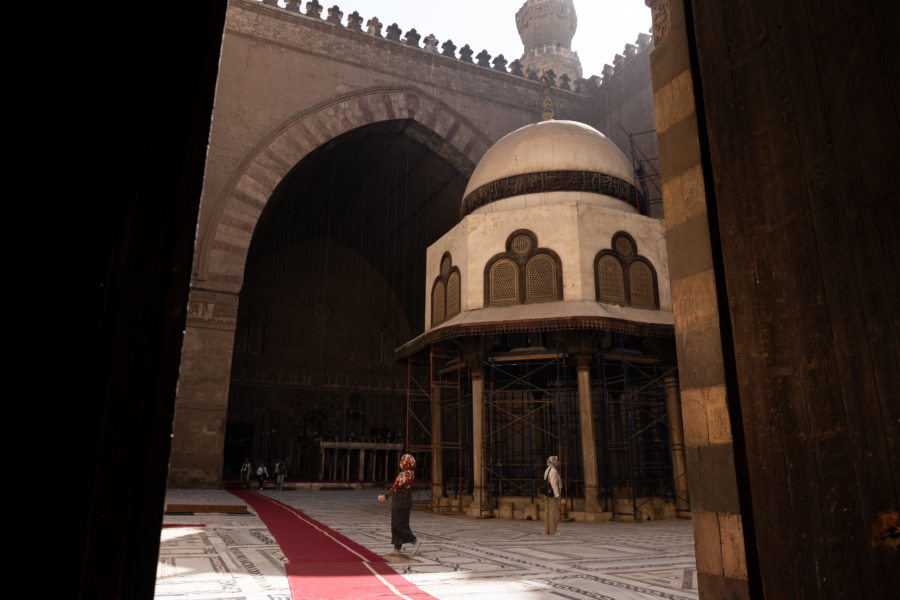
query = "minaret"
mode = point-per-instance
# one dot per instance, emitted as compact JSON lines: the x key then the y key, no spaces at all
{"x":546,"y":28}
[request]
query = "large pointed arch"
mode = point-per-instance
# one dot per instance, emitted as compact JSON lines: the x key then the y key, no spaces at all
{"x":226,"y":239}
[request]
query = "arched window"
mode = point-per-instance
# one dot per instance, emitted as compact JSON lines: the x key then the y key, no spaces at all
{"x":504,"y":282}
{"x":641,"y":284}
{"x":622,"y":276}
{"x":611,"y":279}
{"x":445,"y":293}
{"x":453,"y":294}
{"x":540,"y":278}
{"x":438,"y":297}
{"x":524,"y":273}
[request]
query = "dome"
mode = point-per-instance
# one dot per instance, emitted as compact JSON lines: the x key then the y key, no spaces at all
{"x":550,"y":156}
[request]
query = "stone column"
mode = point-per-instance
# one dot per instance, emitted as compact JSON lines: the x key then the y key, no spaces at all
{"x":437,"y":463}
{"x":322,"y":467}
{"x":721,"y":549}
{"x":676,"y":447}
{"x":362,"y":464}
{"x":201,"y":403}
{"x":588,"y":445}
{"x":480,"y":503}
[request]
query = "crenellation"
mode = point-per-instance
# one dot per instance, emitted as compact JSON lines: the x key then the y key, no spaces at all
{"x":519,"y":67}
{"x":373,"y":27}
{"x":608,"y":71}
{"x":314,"y":9}
{"x":551,"y":77}
{"x":643,"y":41}
{"x":593,"y":84}
{"x":431,"y":43}
{"x":354,"y":21}
{"x":630,"y":51}
{"x":449,"y":49}
{"x":412,"y":38}
{"x":394,"y":32}
{"x":335,"y":15}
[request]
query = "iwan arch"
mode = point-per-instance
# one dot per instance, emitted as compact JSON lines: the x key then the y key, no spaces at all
{"x":291,"y":90}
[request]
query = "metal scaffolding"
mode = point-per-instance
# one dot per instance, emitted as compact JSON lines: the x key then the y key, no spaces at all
{"x":631,"y":419}
{"x":531,"y":413}
{"x":646,"y":171}
{"x":438,"y":420}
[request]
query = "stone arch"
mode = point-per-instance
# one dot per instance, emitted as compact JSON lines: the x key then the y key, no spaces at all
{"x":226,"y":240}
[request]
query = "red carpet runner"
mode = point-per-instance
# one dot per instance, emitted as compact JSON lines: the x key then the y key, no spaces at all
{"x":323,"y":564}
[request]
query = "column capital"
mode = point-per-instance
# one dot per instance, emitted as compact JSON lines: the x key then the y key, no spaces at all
{"x":583,"y":361}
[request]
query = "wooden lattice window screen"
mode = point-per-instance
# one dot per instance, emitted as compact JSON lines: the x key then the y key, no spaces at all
{"x":504,"y":279}
{"x":611,"y":278}
{"x":453,"y":294}
{"x":641,"y":284}
{"x":438,"y":299}
{"x":540,"y":278}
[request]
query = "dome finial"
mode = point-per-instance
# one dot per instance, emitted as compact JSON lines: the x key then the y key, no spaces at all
{"x":548,"y":104}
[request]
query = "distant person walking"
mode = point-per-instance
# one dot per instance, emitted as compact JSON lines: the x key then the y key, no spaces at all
{"x":280,"y":472}
{"x":245,"y":473}
{"x":401,"y":505}
{"x":551,"y":505}
{"x":262,"y":473}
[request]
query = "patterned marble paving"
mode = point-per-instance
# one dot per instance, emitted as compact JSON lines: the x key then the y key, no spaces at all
{"x":231,"y":557}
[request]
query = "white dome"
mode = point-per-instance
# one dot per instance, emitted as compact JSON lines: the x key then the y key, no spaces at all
{"x":546,"y":147}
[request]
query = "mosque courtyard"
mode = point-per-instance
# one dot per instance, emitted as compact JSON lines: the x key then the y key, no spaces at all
{"x":217,"y":556}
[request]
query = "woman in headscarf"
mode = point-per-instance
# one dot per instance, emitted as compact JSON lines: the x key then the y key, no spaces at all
{"x":551,"y":506}
{"x":401,"y":505}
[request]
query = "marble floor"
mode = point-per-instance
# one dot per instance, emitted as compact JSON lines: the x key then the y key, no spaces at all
{"x":234,"y":557}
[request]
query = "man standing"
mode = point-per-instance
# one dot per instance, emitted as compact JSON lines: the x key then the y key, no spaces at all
{"x":551,"y":506}
{"x":245,"y":473}
{"x":280,"y":471}
{"x":262,"y":473}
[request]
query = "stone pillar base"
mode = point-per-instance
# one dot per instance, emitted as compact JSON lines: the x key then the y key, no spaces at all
{"x":480,"y":513}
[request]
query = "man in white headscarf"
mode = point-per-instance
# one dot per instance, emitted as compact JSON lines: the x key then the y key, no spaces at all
{"x":551,"y":505}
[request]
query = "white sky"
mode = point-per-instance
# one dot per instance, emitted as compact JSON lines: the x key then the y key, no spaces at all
{"x":604,"y":26}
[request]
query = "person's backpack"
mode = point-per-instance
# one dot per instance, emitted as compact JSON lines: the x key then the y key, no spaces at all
{"x":259,"y":471}
{"x":544,"y":488}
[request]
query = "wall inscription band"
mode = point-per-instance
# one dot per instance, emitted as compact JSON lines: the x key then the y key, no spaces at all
{"x":551,"y":181}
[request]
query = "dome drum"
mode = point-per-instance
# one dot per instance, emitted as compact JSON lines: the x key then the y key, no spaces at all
{"x":551,"y":181}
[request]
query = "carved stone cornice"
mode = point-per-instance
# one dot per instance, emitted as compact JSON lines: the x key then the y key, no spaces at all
{"x":470,"y":332}
{"x":212,"y":309}
{"x":550,"y":181}
{"x":661,"y":13}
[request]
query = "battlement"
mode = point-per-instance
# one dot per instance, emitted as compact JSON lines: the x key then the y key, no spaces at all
{"x":312,"y":9}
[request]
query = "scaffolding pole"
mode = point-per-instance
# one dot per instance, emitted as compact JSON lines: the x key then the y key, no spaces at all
{"x":637,"y":461}
{"x":437,"y":418}
{"x":530,"y":410}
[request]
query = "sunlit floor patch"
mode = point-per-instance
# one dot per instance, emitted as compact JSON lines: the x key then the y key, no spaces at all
{"x":459,"y":559}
